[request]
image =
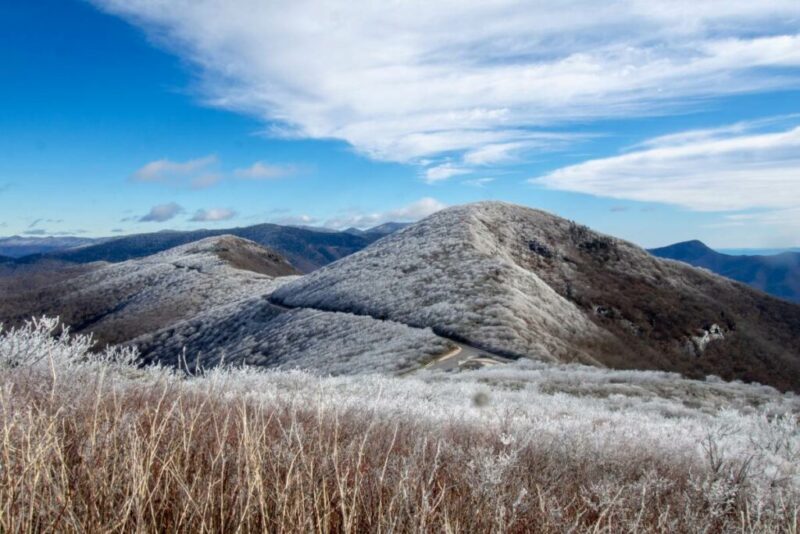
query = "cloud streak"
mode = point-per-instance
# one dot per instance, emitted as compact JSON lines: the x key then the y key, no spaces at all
{"x":409,"y":213}
{"x":213,"y":215}
{"x":403,"y":82}
{"x":162,"y":213}
{"x":264,"y":171}
{"x":202,"y":173}
{"x":165,"y":170}
{"x":724,"y":169}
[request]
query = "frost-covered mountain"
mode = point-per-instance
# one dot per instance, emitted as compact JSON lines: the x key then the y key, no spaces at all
{"x":776,"y":274}
{"x":261,"y":334}
{"x":525,"y":283}
{"x":205,"y":302}
{"x":117,"y":302}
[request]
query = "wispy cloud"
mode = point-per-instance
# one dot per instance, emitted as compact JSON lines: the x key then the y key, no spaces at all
{"x":168,"y":171}
{"x":205,"y":172}
{"x":205,"y":181}
{"x":708,"y":170}
{"x":162,"y":213}
{"x":411,"y":212}
{"x":443,"y":172}
{"x":295,"y":220}
{"x":478,"y":182}
{"x":264,"y":171}
{"x":213,"y":215}
{"x":37,"y":222}
{"x":403,"y":82}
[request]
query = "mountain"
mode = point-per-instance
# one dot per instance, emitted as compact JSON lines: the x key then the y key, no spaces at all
{"x":519,"y":282}
{"x":206,"y":302}
{"x":755,"y":251}
{"x":117,"y":302}
{"x":777,"y":274}
{"x":18,"y":277}
{"x":378,"y":231}
{"x":17,"y":247}
{"x":387,"y":228}
{"x":305,"y":249}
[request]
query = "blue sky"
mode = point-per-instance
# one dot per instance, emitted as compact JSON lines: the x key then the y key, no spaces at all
{"x":656,"y":122}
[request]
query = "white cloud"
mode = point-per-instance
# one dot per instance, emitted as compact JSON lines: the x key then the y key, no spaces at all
{"x":165,"y":170}
{"x":405,"y":81}
{"x":479,"y":182}
{"x":412,"y":212}
{"x":295,"y":220}
{"x":263,"y":171}
{"x":162,"y":213}
{"x":443,"y":172}
{"x":213,"y":215}
{"x":204,"y":181}
{"x":725,"y":169}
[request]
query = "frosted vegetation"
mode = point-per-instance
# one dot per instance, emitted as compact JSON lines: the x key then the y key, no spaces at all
{"x":447,"y":273}
{"x":120,"y":301}
{"x":91,"y":443}
{"x":256,"y":332}
{"x":522,"y":282}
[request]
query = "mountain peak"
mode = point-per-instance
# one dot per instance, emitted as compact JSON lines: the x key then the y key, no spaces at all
{"x":236,"y":252}
{"x":694,"y":245}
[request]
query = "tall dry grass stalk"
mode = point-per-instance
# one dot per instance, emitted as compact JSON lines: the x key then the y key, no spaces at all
{"x":105,"y":448}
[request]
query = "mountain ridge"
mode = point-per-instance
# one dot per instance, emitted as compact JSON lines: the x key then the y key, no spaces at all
{"x":305,"y":249}
{"x":778,"y":274}
{"x":120,"y":301}
{"x":19,"y":246}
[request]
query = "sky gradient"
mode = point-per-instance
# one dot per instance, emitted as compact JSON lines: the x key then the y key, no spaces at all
{"x":654,"y":121}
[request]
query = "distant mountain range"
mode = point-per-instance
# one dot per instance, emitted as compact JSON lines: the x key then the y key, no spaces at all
{"x":305,"y":247}
{"x":755,"y":251}
{"x":380,"y":230}
{"x":777,"y":274}
{"x":17,"y":246}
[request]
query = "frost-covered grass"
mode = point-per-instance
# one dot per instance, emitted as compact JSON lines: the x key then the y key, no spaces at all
{"x":90,"y":443}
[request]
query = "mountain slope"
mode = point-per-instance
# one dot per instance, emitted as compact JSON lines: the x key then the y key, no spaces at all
{"x":525,"y":283}
{"x":258,"y":333}
{"x":305,"y":249}
{"x":117,"y":302}
{"x":778,"y":274}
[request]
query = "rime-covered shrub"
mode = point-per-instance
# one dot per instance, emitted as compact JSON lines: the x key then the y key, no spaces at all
{"x":89,"y":444}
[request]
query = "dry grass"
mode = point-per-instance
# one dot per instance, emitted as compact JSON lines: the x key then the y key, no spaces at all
{"x":102,"y":447}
